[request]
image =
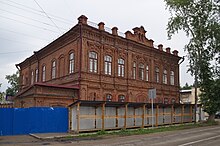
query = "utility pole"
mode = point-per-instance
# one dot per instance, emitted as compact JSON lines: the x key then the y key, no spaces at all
{"x":196,"y":86}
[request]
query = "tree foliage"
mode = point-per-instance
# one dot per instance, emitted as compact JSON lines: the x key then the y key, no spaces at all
{"x":200,"y":20}
{"x":186,"y":87}
{"x":13,"y":80}
{"x":2,"y":95}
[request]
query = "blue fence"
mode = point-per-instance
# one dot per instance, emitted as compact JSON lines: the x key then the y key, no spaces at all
{"x":14,"y":121}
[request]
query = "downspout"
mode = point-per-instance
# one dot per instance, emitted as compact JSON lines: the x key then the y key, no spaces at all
{"x":80,"y":60}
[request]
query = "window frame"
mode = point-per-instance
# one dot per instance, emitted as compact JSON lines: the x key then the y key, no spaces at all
{"x":53,"y":69}
{"x":157,"y":74}
{"x":43,"y":73}
{"x":172,"y":77}
{"x":164,"y":76}
{"x":71,"y":62}
{"x":93,"y":62}
{"x":108,"y":64}
{"x":121,"y":67}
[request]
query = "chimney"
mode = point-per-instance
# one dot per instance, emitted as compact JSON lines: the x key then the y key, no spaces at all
{"x":101,"y":26}
{"x":168,"y":49}
{"x":82,"y":19}
{"x":128,"y":34}
{"x":151,"y":42}
{"x":175,"y":52}
{"x":160,"y":47}
{"x":115,"y":31}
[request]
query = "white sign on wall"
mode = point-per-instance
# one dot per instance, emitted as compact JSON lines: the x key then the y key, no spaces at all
{"x":152,"y":93}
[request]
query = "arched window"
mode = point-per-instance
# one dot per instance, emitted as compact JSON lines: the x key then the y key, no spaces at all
{"x":141,"y":71}
{"x":171,"y":77}
{"x":147,"y":73}
{"x":32,"y":77}
{"x":157,"y":74}
{"x":121,"y":67}
{"x":36,"y":75}
{"x":93,"y":62}
{"x":71,"y":63}
{"x":108,"y":97}
{"x":166,"y":100}
{"x":134,"y":71}
{"x":44,"y":73}
{"x":173,"y":100}
{"x":165,"y":76}
{"x":53,"y":69}
{"x":121,"y":98}
{"x":108,"y":65}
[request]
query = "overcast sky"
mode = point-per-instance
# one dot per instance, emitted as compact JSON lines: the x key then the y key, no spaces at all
{"x":27,"y":26}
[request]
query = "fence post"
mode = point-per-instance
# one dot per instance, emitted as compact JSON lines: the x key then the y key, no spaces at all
{"x":157,"y":114}
{"x":171,"y":114}
{"x":191,"y":113}
{"x":143,"y":115}
{"x":78,"y":116}
{"x":103,"y":116}
{"x":182,"y":114}
{"x":125,"y":116}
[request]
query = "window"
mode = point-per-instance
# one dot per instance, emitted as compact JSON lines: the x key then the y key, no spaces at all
{"x":165,"y":76}
{"x":32,"y":77}
{"x":109,"y":97}
{"x":147,"y":73}
{"x":157,"y":74}
{"x":71,"y":63}
{"x":53,"y":69}
{"x":166,"y":100}
{"x":121,"y":98}
{"x":44,"y":73}
{"x":173,"y":101}
{"x":121,"y":67}
{"x":36,"y":75}
{"x":134,"y":70}
{"x":141,"y":71}
{"x":23,"y":79}
{"x":171,"y":77}
{"x":108,"y":65}
{"x":93,"y":62}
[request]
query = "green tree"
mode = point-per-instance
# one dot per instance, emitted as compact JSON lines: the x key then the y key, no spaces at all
{"x":200,"y":20}
{"x":2,"y":95}
{"x":13,"y":80}
{"x":186,"y":87}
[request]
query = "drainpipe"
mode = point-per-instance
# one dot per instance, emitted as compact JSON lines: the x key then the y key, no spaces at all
{"x":80,"y":60}
{"x":182,"y":60}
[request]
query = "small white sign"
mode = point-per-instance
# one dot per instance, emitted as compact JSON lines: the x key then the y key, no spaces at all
{"x":152,"y":93}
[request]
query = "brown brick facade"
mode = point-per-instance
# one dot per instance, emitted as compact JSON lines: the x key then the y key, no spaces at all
{"x":96,"y":77}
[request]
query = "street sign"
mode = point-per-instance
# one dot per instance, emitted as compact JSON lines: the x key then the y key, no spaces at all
{"x":152,"y":93}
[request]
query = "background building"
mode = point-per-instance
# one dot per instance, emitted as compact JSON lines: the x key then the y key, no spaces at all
{"x":96,"y":63}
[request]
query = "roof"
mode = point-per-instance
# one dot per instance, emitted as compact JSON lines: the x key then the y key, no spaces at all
{"x":119,"y":104}
{"x":48,"y":85}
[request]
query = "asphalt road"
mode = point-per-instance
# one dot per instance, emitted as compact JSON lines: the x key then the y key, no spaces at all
{"x":202,"y":136}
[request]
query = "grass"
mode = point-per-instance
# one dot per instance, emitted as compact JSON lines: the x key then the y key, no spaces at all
{"x":127,"y":132}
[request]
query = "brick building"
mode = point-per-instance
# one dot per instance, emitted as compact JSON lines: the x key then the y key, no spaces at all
{"x":95,"y":63}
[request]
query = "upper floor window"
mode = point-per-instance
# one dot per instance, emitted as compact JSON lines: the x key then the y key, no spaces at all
{"x":147,"y":73}
{"x":53,"y":69}
{"x":157,"y":74}
{"x":171,"y":77}
{"x":36,"y":75}
{"x":93,"y":62}
{"x":32,"y":77}
{"x":134,"y":71}
{"x":165,"y":76}
{"x":173,"y":101}
{"x":71,"y":62}
{"x":166,"y":101}
{"x":44,"y":73}
{"x":141,"y":71}
{"x":109,"y":97}
{"x":121,"y":67}
{"x":121,"y":98}
{"x":108,"y":65}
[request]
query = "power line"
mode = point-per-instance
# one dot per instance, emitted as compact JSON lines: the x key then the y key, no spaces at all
{"x":27,"y":35}
{"x":1,"y":53}
{"x":29,"y":24}
{"x":29,"y":18}
{"x":31,"y":10}
{"x":47,"y":16}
